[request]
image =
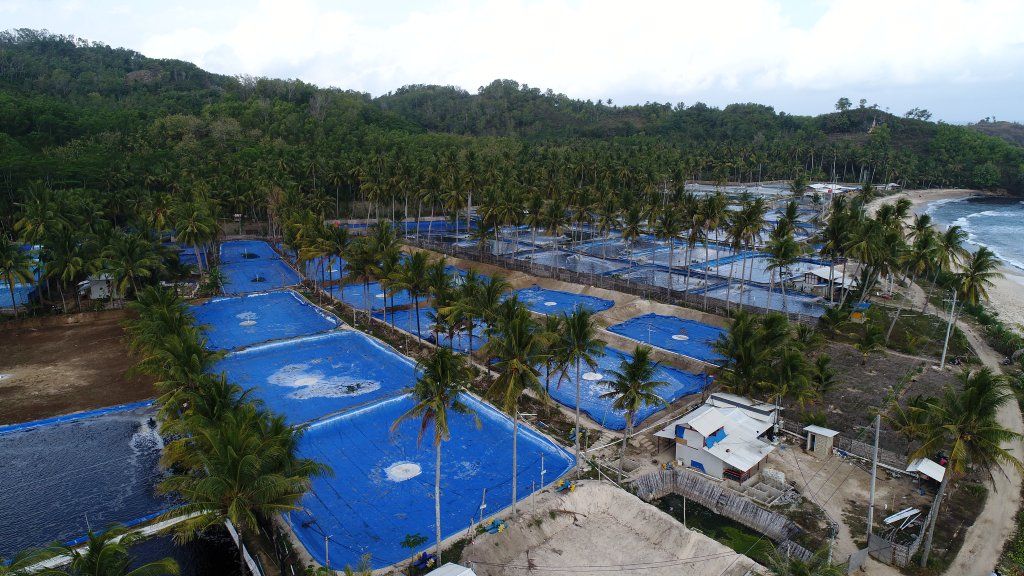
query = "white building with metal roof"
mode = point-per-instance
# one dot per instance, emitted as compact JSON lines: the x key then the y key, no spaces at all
{"x":724,"y":437}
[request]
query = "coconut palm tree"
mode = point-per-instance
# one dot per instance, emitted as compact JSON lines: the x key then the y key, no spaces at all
{"x":240,"y":469}
{"x":443,"y":378}
{"x":24,"y":562}
{"x":783,"y":252}
{"x":976,"y":276}
{"x":65,"y":261}
{"x":108,"y":554}
{"x":870,"y":340}
{"x":411,"y":276}
{"x":580,"y":345}
{"x":632,"y":224}
{"x":16,"y":267}
{"x":633,"y":386}
{"x":194,"y":225}
{"x":130,"y":259}
{"x":518,"y":348}
{"x":964,"y":425}
{"x":667,"y":227}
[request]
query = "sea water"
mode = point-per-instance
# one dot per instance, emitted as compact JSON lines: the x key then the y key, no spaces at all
{"x":997,"y":223}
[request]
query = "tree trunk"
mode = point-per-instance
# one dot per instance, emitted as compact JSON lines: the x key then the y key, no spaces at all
{"x":416,"y":304}
{"x":625,"y":442}
{"x":933,"y":514}
{"x":515,"y":456}
{"x":437,"y":497}
{"x":578,"y":432}
{"x":10,"y":287}
{"x":199,"y":261}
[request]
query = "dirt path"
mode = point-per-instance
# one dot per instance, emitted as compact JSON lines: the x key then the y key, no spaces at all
{"x":983,"y":543}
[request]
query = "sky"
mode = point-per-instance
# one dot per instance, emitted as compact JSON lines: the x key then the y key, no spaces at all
{"x":960,"y":59}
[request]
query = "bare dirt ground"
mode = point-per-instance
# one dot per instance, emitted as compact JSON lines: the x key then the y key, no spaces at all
{"x":56,"y":369}
{"x":600,"y":529}
{"x":860,"y":389}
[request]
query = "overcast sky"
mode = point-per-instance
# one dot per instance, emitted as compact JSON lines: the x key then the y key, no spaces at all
{"x":960,"y":59}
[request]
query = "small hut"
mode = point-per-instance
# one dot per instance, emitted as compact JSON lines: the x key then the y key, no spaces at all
{"x":819,"y":440}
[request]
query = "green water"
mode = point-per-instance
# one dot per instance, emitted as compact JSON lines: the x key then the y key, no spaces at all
{"x":728,"y":532}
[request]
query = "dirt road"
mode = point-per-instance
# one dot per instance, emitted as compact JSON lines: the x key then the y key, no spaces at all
{"x":983,"y":543}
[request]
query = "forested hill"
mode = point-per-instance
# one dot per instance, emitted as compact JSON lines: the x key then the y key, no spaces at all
{"x":1009,"y":131}
{"x":75,"y":114}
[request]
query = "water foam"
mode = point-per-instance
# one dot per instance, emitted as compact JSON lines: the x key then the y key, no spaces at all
{"x":310,"y":383}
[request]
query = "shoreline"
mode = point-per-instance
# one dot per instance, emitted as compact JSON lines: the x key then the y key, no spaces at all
{"x":1006,"y":295}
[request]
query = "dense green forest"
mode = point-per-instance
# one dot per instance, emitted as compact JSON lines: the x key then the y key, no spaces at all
{"x":132,"y":130}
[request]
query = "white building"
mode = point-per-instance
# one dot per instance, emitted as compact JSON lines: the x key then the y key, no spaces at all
{"x":724,"y":437}
{"x":450,"y":569}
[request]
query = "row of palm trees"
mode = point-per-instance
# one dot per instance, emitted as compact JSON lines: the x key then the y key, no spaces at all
{"x":230,"y":458}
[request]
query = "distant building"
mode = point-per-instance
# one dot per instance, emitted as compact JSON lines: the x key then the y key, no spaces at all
{"x":97,"y":287}
{"x":726,"y":437}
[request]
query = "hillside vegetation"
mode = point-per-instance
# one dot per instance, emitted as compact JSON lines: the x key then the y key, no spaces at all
{"x":82,"y":115}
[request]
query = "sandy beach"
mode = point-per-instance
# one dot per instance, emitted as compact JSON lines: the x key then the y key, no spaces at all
{"x":1007,"y":294}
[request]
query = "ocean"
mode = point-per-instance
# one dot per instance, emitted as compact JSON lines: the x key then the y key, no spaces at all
{"x":997,"y":223}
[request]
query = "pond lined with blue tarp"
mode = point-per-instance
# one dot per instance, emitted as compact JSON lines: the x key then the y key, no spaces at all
{"x":686,"y":337}
{"x":237,"y":321}
{"x":254,"y":266}
{"x":405,"y":320}
{"x":594,"y":383}
{"x":383,"y":484}
{"x":750,"y":295}
{"x":547,"y":301}
{"x":312,"y":377}
{"x":65,"y":475}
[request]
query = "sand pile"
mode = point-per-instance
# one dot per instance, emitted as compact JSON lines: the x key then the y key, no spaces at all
{"x":600,"y":529}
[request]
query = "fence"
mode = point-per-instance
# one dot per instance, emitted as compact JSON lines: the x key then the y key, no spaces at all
{"x":720,"y":500}
{"x":709,"y":304}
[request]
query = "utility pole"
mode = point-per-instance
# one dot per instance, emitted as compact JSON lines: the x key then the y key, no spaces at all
{"x":874,"y":473}
{"x":949,"y":330}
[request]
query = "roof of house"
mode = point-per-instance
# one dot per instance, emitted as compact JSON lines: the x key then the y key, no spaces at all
{"x":705,"y":421}
{"x":825,"y":273}
{"x":450,"y":569}
{"x":741,"y":446}
{"x":820,"y":431}
{"x":929,"y":468}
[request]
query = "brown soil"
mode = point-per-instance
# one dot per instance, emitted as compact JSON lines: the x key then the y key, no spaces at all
{"x":58,"y":365}
{"x":861,"y":388}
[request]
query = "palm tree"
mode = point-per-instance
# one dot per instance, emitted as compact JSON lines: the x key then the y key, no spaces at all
{"x":240,"y":469}
{"x":107,"y":554}
{"x":23,"y":563}
{"x":15,"y":267}
{"x":976,"y":277}
{"x":949,"y":252}
{"x":964,"y":424}
{"x":871,"y":340}
{"x":668,"y":226}
{"x":443,"y":377}
{"x":783,"y":252}
{"x":633,"y":387}
{"x":411,"y":276}
{"x":823,"y":377}
{"x":65,"y":261}
{"x":580,"y":346}
{"x":129,"y":259}
{"x":194,"y":225}
{"x":517,"y":349}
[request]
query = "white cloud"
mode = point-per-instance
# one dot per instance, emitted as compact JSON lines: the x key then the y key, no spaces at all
{"x":667,"y":49}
